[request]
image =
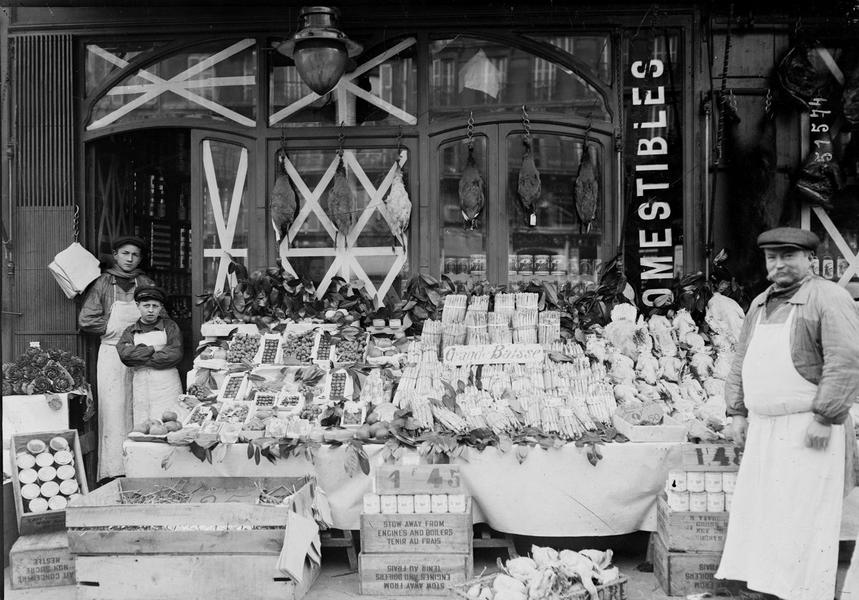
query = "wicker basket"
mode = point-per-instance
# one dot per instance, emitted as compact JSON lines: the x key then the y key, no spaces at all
{"x":616,"y":590}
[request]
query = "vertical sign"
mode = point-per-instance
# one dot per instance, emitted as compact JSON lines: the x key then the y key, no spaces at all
{"x":653,"y":163}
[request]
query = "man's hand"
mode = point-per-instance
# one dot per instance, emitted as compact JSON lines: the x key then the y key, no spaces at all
{"x":817,"y":435}
{"x":739,"y":427}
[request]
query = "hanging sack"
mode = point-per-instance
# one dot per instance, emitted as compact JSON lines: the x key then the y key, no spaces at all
{"x":74,"y":269}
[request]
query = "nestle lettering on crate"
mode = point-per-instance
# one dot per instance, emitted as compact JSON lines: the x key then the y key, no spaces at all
{"x":654,"y":245}
{"x":493,"y":354}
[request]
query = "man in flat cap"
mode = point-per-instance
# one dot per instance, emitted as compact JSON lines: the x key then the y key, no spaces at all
{"x":794,"y":378}
{"x":152,"y":347}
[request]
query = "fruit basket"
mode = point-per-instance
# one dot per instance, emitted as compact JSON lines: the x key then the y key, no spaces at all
{"x":270,"y":350}
{"x":615,"y":590}
{"x":233,"y":388}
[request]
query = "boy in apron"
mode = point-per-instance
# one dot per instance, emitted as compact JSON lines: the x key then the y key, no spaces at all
{"x":152,"y":347}
{"x":789,"y":393}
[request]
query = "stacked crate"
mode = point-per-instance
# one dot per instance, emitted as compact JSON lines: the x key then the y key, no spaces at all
{"x":692,"y":520}
{"x":416,"y":532}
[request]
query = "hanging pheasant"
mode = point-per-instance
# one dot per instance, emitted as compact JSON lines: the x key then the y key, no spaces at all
{"x":586,"y":190}
{"x":340,"y":201}
{"x":471,"y":191}
{"x":398,"y":208}
{"x":282,"y":202}
{"x":529,"y":184}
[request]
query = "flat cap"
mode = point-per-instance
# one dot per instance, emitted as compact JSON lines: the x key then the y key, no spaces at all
{"x":150,"y":292}
{"x":128,"y":239}
{"x":789,"y":236}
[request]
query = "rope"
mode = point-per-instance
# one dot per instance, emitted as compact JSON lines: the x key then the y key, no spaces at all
{"x":724,"y":102}
{"x":76,"y":224}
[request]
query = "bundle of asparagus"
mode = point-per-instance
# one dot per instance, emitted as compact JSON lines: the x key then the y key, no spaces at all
{"x":453,"y":334}
{"x":549,"y":327}
{"x":525,"y":325}
{"x":454,"y":308}
{"x":498,"y":328}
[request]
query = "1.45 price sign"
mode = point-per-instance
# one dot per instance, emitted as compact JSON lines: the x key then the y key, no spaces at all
{"x":418,"y":479}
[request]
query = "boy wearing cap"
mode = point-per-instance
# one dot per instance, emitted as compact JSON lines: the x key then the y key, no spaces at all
{"x":152,"y":347}
{"x":795,"y":375}
{"x":108,"y":309}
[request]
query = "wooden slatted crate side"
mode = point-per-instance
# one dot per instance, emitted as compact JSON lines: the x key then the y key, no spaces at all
{"x":448,"y":533}
{"x":691,"y":531}
{"x":683,"y":573}
{"x":29,"y":523}
{"x":413,"y":574}
{"x":94,"y":542}
{"x":188,"y":577}
{"x":41,"y":560}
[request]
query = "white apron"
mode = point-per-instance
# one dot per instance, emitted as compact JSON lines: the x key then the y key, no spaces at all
{"x":786,"y":513}
{"x":114,"y":387}
{"x":155,"y":390}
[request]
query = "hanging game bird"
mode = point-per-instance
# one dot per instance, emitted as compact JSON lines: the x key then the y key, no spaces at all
{"x":471,"y":192}
{"x":340,"y":201}
{"x":529,"y":185}
{"x":283,"y":206}
{"x":398,"y":208}
{"x":586,"y":189}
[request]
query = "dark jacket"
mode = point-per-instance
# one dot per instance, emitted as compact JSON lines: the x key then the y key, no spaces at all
{"x":100,"y":297}
{"x":141,"y":355}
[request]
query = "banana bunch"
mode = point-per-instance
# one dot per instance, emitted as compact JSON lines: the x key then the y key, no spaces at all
{"x":449,"y":419}
{"x":422,"y":412}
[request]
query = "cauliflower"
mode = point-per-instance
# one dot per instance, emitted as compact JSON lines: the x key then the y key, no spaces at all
{"x":663,"y":337}
{"x":725,"y":317}
{"x":684,"y":324}
{"x":647,"y":368}
{"x":595,"y":346}
{"x":695,"y":341}
{"x":624,"y":312}
{"x":523,"y":568}
{"x":625,"y":393}
{"x":692,"y":390}
{"x":621,"y":335}
{"x":702,"y":365}
{"x":544,"y":557}
{"x":622,"y":368}
{"x":647,"y":392}
{"x":670,"y":367}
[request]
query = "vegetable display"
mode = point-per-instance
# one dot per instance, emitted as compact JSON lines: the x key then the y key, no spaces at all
{"x":39,"y":371}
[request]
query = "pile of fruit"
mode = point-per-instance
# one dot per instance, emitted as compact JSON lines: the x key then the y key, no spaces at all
{"x":351,"y":349}
{"x":169,"y":422}
{"x":243,"y":348}
{"x":299,"y":347}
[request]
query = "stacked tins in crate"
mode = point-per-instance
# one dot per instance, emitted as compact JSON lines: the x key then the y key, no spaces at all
{"x":416,"y":531}
{"x":692,"y":519}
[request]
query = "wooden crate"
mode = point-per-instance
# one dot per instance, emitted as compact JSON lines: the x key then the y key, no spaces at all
{"x":10,"y":522}
{"x":187,"y":577}
{"x":670,"y":430}
{"x":418,"y":533}
{"x":683,"y":573}
{"x":25,"y":414}
{"x":412,"y":574}
{"x":418,"y":479}
{"x":220,"y":517}
{"x":51,"y":520}
{"x":41,"y":560}
{"x":711,"y":457}
{"x":691,"y":531}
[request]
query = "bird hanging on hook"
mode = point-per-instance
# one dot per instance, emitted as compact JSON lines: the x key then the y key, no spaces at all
{"x":471,"y":185}
{"x":586,"y":188}
{"x":529,"y":176}
{"x":283,"y":204}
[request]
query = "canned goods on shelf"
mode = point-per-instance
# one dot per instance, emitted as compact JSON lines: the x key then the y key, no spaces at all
{"x":676,"y":481}
{"x":695,"y":481}
{"x":573,"y":266}
{"x":558,"y":263}
{"x":586,"y":267}
{"x":729,"y":481}
{"x":477,"y":263}
{"x":713,"y":482}
{"x":698,"y":501}
{"x":512,"y":263}
{"x":462,"y":265}
{"x":678,"y":501}
{"x":715,"y":502}
{"x":526,"y":263}
{"x":450,"y":265}
{"x":541,"y":264}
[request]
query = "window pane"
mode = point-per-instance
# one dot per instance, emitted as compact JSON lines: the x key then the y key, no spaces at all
{"x":463,"y":250}
{"x":393,"y":82}
{"x":215,"y":80}
{"x":592,"y":50}
{"x":105,"y":58}
{"x":560,"y":247}
{"x":486,"y":76}
{"x":225,"y":166}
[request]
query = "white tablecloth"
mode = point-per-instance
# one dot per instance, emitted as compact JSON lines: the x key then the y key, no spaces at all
{"x":552,"y":493}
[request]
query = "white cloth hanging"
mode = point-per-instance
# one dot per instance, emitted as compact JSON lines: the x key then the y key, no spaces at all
{"x":74,"y":269}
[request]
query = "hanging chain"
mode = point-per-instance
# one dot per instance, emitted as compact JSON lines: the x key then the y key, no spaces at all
{"x":526,"y":125}
{"x":768,"y":103}
{"x":723,"y":96}
{"x":469,"y":131}
{"x":340,"y":138}
{"x":77,"y":222}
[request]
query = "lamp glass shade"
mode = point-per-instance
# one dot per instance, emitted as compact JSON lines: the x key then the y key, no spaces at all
{"x":320,"y":63}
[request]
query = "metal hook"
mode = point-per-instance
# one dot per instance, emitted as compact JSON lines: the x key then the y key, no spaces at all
{"x":526,"y":125}
{"x":469,"y":130}
{"x":76,"y":222}
{"x":340,"y":138}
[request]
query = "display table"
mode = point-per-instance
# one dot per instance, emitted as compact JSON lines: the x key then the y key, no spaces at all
{"x":552,"y":493}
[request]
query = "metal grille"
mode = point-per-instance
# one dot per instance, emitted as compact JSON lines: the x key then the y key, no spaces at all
{"x":43,"y":122}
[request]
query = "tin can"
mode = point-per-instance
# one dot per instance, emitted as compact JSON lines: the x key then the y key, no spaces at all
{"x":438,"y":503}
{"x":512,"y":263}
{"x":676,"y":481}
{"x":423,"y":504}
{"x":57,"y":503}
{"x":729,"y":482}
{"x":388,"y":504}
{"x":450,"y":265}
{"x":38,"y":505}
{"x":462,"y":265}
{"x":541,"y":263}
{"x":729,"y":499}
{"x":65,"y":472}
{"x":30,"y":491}
{"x":69,"y":487}
{"x":698,"y":501}
{"x":526,"y":263}
{"x":405,"y":504}
{"x":558,"y":264}
{"x":456,"y":503}
{"x":477,"y":264}
{"x":47,"y":474}
{"x":586,"y":268}
{"x":26,"y":476}
{"x":695,"y":481}
{"x":713,"y":482}
{"x":49,"y":489}
{"x":678,"y":501}
{"x":45,"y":459}
{"x":372,"y":504}
{"x":25,"y":460}
{"x":63,"y":457}
{"x":715,"y":502}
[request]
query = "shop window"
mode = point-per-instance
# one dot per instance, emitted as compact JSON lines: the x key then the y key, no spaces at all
{"x":463,"y":249}
{"x":103,"y":59}
{"x":470,"y":73}
{"x":225,"y":219}
{"x":366,"y":251}
{"x":216,"y":80}
{"x":380,"y":90}
{"x":559,"y":247}
{"x":591,"y":50}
